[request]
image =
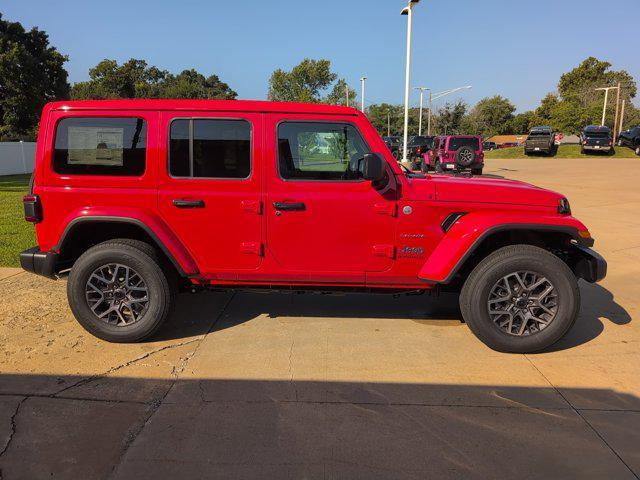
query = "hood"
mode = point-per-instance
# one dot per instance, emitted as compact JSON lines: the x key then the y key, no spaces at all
{"x":491,"y":190}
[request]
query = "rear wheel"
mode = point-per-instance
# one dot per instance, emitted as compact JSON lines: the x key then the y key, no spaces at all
{"x":118,"y":292}
{"x":520,"y":299}
{"x":476,"y":171}
{"x":438,"y":167}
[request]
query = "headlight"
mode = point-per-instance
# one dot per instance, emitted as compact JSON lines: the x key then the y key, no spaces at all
{"x":563,"y":207}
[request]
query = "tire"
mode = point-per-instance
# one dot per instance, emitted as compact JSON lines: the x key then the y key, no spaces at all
{"x":141,"y":260}
{"x":611,"y":151}
{"x":414,"y":166}
{"x":438,"y":167}
{"x":637,"y":150}
{"x":483,"y":281}
{"x":527,"y":153}
{"x":582,"y":151}
{"x":424,"y":167}
{"x":476,"y":171}
{"x":465,"y":157}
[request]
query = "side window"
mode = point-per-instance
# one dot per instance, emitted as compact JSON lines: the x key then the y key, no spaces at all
{"x":210,"y":148}
{"x":100,"y":146}
{"x":320,"y":151}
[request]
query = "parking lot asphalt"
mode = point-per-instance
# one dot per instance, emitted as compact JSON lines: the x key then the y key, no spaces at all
{"x":251,"y":385}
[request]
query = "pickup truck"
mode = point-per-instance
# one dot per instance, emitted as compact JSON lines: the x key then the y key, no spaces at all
{"x":540,"y":140}
{"x":136,"y":200}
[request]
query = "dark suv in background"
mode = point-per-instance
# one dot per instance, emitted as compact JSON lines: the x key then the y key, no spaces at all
{"x":393,"y":143}
{"x":596,"y":138}
{"x":630,"y":138}
{"x":417,"y":147}
{"x":540,"y":140}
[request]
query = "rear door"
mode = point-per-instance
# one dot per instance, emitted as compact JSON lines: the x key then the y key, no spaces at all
{"x":210,"y":190}
{"x":324,"y":222}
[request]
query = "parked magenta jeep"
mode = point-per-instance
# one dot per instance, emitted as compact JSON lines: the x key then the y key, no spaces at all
{"x":455,"y":152}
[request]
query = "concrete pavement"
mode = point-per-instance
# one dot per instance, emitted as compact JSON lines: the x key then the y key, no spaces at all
{"x":251,"y":385}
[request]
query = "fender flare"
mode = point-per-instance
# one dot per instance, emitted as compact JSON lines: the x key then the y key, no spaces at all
{"x":436,"y":274}
{"x":185,"y":267}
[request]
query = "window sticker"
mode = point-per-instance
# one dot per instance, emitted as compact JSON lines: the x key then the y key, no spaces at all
{"x":96,"y":146}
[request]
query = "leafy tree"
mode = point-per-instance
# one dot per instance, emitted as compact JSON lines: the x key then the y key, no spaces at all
{"x":304,"y":83}
{"x":449,"y":118}
{"x":135,"y":79}
{"x":338,"y":94}
{"x":523,"y":122}
{"x":491,"y":116}
{"x":31,"y":74}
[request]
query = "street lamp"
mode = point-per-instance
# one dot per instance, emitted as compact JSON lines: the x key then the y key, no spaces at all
{"x":606,"y":98}
{"x":408,"y":11}
{"x":422,"y":89}
{"x":362,"y":82}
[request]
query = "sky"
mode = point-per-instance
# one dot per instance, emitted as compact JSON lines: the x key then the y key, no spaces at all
{"x":514,"y":48}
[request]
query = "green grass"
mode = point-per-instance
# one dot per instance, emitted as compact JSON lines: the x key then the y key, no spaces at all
{"x":15,"y":234}
{"x":564,"y":151}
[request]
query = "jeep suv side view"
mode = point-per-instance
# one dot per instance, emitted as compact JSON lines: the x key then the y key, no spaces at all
{"x":540,"y":140}
{"x":136,"y":200}
{"x":455,"y":152}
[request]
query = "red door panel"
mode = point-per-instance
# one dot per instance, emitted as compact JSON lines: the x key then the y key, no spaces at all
{"x":326,"y":230}
{"x":217,"y":219}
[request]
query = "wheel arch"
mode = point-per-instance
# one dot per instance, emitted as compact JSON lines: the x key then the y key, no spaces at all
{"x":84,"y":232}
{"x":447,"y":269}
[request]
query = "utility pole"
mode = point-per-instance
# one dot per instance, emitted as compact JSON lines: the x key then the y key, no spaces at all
{"x":615,"y":119}
{"x":429,"y":117}
{"x":388,"y":123}
{"x":346,"y":92}
{"x":422,"y":89}
{"x":622,"y":115}
{"x":362,"y":81}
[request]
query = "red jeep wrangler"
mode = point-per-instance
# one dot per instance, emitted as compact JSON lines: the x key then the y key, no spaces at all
{"x":136,"y":198}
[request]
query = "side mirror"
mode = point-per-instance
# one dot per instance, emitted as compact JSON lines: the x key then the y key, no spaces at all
{"x":373,"y":167}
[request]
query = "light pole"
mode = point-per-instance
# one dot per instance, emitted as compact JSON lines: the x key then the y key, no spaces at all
{"x":606,"y":98}
{"x":362,"y":82}
{"x":408,"y":11}
{"x":422,"y":89}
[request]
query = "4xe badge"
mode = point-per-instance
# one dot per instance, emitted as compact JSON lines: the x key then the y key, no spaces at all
{"x":408,"y":251}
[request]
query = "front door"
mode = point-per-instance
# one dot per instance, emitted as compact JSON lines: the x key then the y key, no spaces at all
{"x":210,"y":190}
{"x":324,"y":221}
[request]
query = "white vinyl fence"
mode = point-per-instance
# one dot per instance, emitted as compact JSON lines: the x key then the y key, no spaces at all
{"x":17,"y":157}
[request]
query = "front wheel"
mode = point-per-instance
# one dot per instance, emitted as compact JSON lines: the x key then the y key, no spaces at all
{"x":118,"y":292}
{"x":520,"y":299}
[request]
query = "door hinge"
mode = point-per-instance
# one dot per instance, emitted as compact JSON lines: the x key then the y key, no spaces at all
{"x":252,"y":206}
{"x":253,"y":248}
{"x":386,"y":208}
{"x":388,"y":251}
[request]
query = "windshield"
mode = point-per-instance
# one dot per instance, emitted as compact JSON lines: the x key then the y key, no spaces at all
{"x":456,"y":143}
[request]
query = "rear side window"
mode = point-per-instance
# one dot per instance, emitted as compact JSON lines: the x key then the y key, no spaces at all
{"x":210,"y":148}
{"x":100,"y":146}
{"x":320,"y":151}
{"x":456,"y":143}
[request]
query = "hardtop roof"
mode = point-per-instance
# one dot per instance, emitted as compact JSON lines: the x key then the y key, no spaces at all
{"x":215,"y":105}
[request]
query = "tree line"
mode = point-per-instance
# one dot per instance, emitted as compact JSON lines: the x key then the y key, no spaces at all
{"x":32,"y":73}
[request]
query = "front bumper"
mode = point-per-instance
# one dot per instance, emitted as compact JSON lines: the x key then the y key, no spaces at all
{"x":588,"y":264}
{"x":41,"y":263}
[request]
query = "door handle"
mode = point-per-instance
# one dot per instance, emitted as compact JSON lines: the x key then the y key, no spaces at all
{"x":289,"y":206}
{"x":188,"y":203}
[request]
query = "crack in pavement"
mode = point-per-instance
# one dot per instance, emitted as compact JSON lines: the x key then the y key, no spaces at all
{"x":91,"y":378}
{"x":13,"y":427}
{"x":155,"y":406}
